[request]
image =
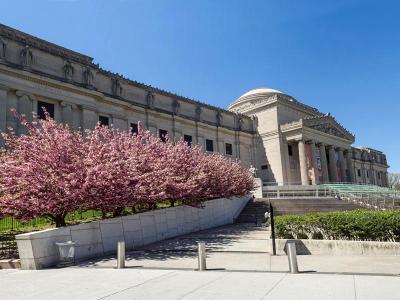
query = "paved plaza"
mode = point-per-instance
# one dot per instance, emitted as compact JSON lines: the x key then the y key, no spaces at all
{"x":238,"y":268}
{"x":242,"y":247}
{"x":131,"y":283}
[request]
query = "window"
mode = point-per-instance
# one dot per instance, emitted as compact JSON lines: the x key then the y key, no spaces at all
{"x":379,"y":175}
{"x":44,"y":106}
{"x":104,"y":121}
{"x":188,"y":139}
{"x":228,"y":149}
{"x":367,"y":174}
{"x":290,"y":150}
{"x":264,"y":167}
{"x":134,"y":128}
{"x":359,"y":172}
{"x":163,"y":135}
{"x":210,"y":145}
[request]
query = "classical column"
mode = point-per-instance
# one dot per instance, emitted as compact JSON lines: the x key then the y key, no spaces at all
{"x":314,"y":163}
{"x":3,"y":107}
{"x":303,"y":163}
{"x":324,"y":163}
{"x":3,"y":112}
{"x":350,"y":165}
{"x":25,"y":107}
{"x":66,"y":113}
{"x":342,"y":164}
{"x":332,"y":164}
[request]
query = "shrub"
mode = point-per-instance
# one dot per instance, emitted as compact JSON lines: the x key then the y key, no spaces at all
{"x":360,"y":225}
{"x":53,"y":170}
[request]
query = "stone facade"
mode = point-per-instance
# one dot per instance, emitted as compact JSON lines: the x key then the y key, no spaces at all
{"x":297,"y":144}
{"x":264,"y":128}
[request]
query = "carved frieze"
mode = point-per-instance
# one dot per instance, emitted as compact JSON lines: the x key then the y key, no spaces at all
{"x":116,"y":87}
{"x":175,"y":107}
{"x":218,"y":118}
{"x":3,"y":48}
{"x":150,"y":100}
{"x":26,"y":56}
{"x":329,"y":129}
{"x":68,"y":70}
{"x":328,"y":125}
{"x":88,"y":77}
{"x":198,"y":112}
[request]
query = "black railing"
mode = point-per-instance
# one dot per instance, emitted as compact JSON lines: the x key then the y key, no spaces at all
{"x":8,"y":245}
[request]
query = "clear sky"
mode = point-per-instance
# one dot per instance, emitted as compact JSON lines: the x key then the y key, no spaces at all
{"x":340,"y":56}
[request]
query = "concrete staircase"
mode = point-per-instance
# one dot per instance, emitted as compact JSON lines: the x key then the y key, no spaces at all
{"x":255,"y":209}
{"x":253,"y":212}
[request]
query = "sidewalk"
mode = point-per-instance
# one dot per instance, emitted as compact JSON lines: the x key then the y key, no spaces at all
{"x":94,"y":283}
{"x":242,"y":247}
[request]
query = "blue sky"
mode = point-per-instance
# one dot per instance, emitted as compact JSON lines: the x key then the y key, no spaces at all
{"x":340,"y":56}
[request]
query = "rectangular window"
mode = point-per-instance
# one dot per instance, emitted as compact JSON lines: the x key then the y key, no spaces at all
{"x":228,"y":149}
{"x":104,"y":121}
{"x":134,"y":128}
{"x":359,"y":172}
{"x":290,"y":150}
{"x":163,"y":135}
{"x":210,"y":145}
{"x":264,"y":167}
{"x":188,"y":139}
{"x":44,"y":106}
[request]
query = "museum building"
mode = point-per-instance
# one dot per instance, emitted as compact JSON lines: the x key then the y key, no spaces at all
{"x":286,"y":141}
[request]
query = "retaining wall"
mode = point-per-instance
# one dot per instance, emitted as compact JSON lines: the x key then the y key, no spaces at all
{"x":37,"y":250}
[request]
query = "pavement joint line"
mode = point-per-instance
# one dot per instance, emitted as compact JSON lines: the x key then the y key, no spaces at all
{"x":354,"y":286}
{"x":274,"y":286}
{"x":203,"y":285}
{"x":311,"y":272}
{"x":195,"y":251}
{"x":136,"y":285}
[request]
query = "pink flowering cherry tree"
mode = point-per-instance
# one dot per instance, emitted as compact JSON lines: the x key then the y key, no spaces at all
{"x":41,"y":172}
{"x":53,"y":170}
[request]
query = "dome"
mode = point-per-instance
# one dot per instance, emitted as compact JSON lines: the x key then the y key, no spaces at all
{"x":254,"y":93}
{"x":260,"y":91}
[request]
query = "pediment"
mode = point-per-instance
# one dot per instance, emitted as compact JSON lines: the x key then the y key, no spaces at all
{"x":329,"y":125}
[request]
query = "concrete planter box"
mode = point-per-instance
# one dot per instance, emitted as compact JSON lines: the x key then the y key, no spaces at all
{"x":338,"y":247}
{"x":38,"y":250}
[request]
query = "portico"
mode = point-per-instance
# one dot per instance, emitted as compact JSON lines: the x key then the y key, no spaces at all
{"x":298,"y":144}
{"x":324,"y":151}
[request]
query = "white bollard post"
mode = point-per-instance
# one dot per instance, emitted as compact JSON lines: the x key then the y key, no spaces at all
{"x":121,"y":255}
{"x":291,"y":253}
{"x":202,"y":256}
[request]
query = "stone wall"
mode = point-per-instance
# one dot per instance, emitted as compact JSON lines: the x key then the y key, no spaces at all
{"x":37,"y":250}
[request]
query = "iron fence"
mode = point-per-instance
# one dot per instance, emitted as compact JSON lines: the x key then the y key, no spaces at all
{"x":8,"y":245}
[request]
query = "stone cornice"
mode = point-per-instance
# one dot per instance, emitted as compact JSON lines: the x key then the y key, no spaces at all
{"x":27,"y":39}
{"x":67,"y":54}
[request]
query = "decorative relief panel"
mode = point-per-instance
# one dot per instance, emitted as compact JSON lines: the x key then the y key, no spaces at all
{"x":26,"y":56}
{"x":329,"y":129}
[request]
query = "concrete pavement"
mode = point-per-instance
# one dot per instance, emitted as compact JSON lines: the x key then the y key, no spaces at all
{"x":243,"y":247}
{"x":94,"y":283}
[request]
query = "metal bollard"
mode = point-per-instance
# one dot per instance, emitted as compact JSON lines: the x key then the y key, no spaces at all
{"x":121,"y":255}
{"x":202,"y":256}
{"x":291,"y":253}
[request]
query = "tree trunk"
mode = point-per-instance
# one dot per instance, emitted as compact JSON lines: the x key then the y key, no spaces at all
{"x":118,"y":212}
{"x":59,"y":220}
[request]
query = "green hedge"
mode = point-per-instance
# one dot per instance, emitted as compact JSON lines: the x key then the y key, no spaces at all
{"x":361,"y":225}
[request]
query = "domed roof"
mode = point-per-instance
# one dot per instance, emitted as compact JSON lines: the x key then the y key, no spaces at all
{"x":260,"y":91}
{"x":252,"y":93}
